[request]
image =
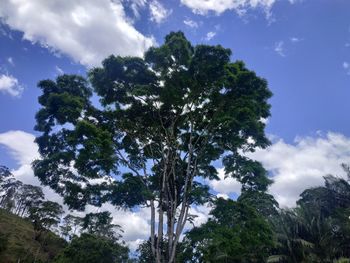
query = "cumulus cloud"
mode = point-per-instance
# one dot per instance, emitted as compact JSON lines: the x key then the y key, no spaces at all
{"x":10,"y":85}
{"x":24,"y":151}
{"x":296,"y":167}
{"x":86,"y":30}
{"x":279,"y":48}
{"x":220,"y":6}
{"x":21,"y":146}
{"x":225,"y":186}
{"x":158,"y":12}
{"x":190,"y":23}
{"x":209,"y":36}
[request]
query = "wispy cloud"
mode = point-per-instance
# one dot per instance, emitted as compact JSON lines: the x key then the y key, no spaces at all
{"x":295,"y":39}
{"x":158,"y":12}
{"x":136,"y":5}
{"x":59,"y":70}
{"x":191,"y":23}
{"x":10,"y":61}
{"x":279,"y":48}
{"x":209,"y":36}
{"x":241,"y":7}
{"x":346,"y":66}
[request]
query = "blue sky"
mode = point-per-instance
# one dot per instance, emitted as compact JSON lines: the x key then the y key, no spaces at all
{"x":302,"y":47}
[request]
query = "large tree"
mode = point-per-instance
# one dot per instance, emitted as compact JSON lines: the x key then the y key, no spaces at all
{"x":27,"y":196}
{"x":9,"y":187}
{"x":161,"y":121}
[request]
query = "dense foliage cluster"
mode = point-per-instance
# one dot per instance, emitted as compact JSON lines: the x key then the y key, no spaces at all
{"x":162,"y":121}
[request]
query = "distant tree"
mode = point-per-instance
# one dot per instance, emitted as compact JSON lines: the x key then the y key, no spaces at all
{"x":71,"y":225}
{"x":8,"y":189}
{"x":100,"y":224}
{"x":27,"y":196}
{"x":93,"y":249}
{"x":234,"y":233}
{"x":164,"y":119}
{"x":44,"y":216}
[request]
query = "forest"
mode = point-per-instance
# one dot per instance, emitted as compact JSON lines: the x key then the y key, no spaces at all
{"x":150,"y":132}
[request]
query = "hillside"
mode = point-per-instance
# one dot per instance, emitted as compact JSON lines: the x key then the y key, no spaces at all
{"x":20,"y":243}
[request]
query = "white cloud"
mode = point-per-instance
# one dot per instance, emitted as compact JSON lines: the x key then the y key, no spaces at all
{"x":59,"y":70}
{"x":10,"y":85}
{"x":21,"y":145}
{"x":191,"y":23}
{"x":136,"y":5}
{"x":295,"y":39}
{"x":296,"y":167}
{"x":135,"y":225}
{"x":86,"y":30}
{"x":158,"y":12}
{"x":224,"y":196}
{"x":279,"y":48}
{"x":24,"y":150}
{"x":346,"y":66}
{"x":10,"y":61}
{"x":220,"y":6}
{"x":225,"y":186}
{"x":210,"y":35}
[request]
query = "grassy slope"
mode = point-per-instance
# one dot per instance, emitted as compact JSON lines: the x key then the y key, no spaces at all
{"x":21,"y":246}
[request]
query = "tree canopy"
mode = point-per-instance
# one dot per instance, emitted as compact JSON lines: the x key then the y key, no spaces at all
{"x":161,"y":122}
{"x":93,"y":249}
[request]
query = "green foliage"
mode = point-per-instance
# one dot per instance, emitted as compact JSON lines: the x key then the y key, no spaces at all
{"x":145,"y":255}
{"x":164,"y":118}
{"x":70,"y":226}
{"x":3,"y":242}
{"x":27,"y":196}
{"x":21,"y":246}
{"x":93,"y":249}
{"x":45,"y":215}
{"x":176,"y":86}
{"x":318,"y":229}
{"x":100,"y":224}
{"x":235,"y":233}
